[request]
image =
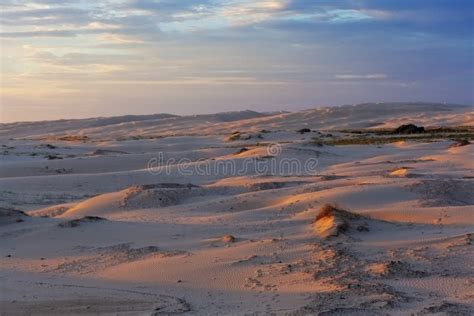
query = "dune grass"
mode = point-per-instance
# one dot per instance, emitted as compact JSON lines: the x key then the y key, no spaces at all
{"x":372,"y":139}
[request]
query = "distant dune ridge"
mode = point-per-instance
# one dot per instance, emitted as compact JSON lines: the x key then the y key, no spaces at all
{"x":368,"y":115}
{"x":101,"y":216}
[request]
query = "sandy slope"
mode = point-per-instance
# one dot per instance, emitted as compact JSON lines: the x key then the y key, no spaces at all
{"x":105,"y":235}
{"x":370,"y":115}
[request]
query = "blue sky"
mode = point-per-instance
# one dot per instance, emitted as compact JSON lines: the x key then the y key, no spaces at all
{"x":62,"y":59}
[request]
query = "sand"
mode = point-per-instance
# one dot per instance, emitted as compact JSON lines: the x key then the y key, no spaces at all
{"x":88,"y":228}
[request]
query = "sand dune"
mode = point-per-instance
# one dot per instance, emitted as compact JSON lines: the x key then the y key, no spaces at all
{"x":370,"y":115}
{"x":88,"y":226}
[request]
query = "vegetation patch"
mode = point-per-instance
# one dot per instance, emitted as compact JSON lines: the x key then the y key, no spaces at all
{"x":376,"y":139}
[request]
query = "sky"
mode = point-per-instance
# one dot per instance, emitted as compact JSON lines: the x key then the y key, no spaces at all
{"x":76,"y":59}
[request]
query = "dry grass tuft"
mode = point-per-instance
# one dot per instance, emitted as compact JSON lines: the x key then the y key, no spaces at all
{"x":326,"y":211}
{"x":228,"y":239}
{"x":79,"y":221}
{"x":331,"y":221}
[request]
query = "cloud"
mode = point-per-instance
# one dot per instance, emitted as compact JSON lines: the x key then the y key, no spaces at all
{"x":360,"y":77}
{"x":243,"y":13}
{"x":150,"y":18}
{"x":49,"y":16}
{"x":53,"y":33}
{"x":354,"y":44}
{"x":78,"y":59}
{"x":221,"y":15}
